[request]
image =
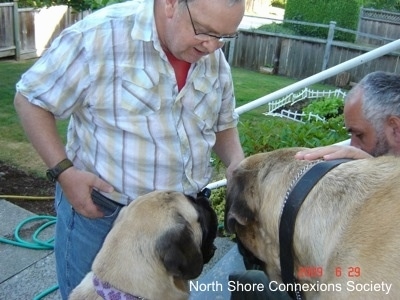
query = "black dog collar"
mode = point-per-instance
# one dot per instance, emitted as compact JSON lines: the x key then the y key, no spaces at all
{"x":292,"y":204}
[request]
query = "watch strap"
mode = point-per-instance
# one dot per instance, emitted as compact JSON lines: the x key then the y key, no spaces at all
{"x":53,"y":173}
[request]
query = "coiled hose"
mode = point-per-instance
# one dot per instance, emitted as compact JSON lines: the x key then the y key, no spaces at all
{"x":36,"y":243}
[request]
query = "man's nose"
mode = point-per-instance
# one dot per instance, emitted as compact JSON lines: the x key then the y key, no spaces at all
{"x":212,"y":45}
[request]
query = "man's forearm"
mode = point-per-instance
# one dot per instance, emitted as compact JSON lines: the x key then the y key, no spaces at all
{"x":40,"y":128}
{"x":228,"y":147}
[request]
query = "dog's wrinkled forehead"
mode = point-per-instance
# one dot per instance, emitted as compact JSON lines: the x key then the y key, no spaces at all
{"x":194,"y":210}
{"x":253,"y":177}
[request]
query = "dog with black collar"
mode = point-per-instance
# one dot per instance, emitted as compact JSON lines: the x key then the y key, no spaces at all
{"x":345,"y":238}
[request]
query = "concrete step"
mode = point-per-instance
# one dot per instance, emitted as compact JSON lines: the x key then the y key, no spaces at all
{"x":24,"y":273}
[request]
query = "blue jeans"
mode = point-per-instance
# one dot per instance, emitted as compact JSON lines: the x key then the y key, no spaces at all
{"x":77,"y":241}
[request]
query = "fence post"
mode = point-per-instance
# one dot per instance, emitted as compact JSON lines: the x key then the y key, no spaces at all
{"x":360,"y":17}
{"x":17,"y":39}
{"x":329,"y":40}
{"x":231,"y":50}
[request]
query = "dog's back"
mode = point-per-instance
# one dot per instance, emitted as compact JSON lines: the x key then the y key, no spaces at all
{"x":348,"y":226}
{"x":367,"y":258}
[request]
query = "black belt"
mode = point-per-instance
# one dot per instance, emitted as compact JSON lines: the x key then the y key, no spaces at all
{"x":101,"y":200}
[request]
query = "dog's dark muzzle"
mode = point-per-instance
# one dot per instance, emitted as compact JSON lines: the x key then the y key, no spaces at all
{"x":209,"y":223}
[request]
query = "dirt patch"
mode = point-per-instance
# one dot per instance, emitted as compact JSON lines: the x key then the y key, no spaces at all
{"x":25,"y":187}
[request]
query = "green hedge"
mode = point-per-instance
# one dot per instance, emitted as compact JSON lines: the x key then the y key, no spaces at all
{"x":390,"y":5}
{"x":344,"y":12}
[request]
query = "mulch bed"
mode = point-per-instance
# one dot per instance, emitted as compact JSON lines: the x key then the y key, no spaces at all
{"x":14,"y":182}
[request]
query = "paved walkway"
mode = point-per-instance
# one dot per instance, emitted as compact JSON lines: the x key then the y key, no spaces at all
{"x":24,"y":273}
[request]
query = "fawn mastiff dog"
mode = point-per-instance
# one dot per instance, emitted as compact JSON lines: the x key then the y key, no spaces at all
{"x":345,"y":242}
{"x":157,"y":243}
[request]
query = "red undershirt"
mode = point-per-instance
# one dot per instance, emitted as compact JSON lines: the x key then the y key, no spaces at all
{"x":181,"y":69}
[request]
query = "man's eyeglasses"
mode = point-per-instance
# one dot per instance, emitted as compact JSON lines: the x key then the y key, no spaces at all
{"x":208,"y":36}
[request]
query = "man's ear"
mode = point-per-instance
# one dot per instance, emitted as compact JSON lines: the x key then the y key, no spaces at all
{"x":394,"y":133}
{"x":170,"y":7}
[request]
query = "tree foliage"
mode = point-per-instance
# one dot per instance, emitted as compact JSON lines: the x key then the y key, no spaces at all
{"x":77,"y":5}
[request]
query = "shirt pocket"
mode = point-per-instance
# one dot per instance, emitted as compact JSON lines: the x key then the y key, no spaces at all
{"x":125,"y":101}
{"x":206,"y":102}
{"x":138,"y":95}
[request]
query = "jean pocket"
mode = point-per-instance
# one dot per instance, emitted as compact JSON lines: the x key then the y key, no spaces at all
{"x":58,"y":196}
{"x":110,"y":208}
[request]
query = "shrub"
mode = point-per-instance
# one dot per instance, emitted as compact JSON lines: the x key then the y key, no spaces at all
{"x":390,"y":5}
{"x":277,"y":28}
{"x":344,"y":12}
{"x":278,"y":3}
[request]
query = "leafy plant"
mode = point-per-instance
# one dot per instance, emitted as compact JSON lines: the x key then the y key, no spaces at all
{"x":218,"y":202}
{"x":326,"y":107}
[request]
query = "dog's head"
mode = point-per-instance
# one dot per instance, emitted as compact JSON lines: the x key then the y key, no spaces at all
{"x":255,"y":191}
{"x":187,"y":244}
{"x":160,"y":236}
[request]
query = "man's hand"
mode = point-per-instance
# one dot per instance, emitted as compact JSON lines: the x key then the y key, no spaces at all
{"x":77,"y":186}
{"x":332,"y":152}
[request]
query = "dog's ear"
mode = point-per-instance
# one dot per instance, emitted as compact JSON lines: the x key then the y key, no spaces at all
{"x":237,"y":210}
{"x":179,"y":253}
{"x":209,"y":225}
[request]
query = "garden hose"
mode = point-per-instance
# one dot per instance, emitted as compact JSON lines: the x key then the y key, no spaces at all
{"x":27,"y":197}
{"x":36,"y":242}
{"x":46,"y":292}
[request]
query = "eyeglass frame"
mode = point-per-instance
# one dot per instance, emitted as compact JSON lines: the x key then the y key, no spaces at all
{"x":220,"y":38}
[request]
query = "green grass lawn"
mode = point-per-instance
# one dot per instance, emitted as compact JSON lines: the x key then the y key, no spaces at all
{"x":14,"y":146}
{"x":16,"y":150}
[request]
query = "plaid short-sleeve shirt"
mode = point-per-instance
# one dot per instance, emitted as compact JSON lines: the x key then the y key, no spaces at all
{"x":129,"y":124}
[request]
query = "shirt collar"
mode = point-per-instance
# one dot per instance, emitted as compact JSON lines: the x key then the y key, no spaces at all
{"x":144,"y":28}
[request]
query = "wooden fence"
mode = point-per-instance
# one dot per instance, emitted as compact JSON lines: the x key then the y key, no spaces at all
{"x":380,"y":23}
{"x":27,"y":32}
{"x":301,"y":57}
{"x":7,"y":29}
